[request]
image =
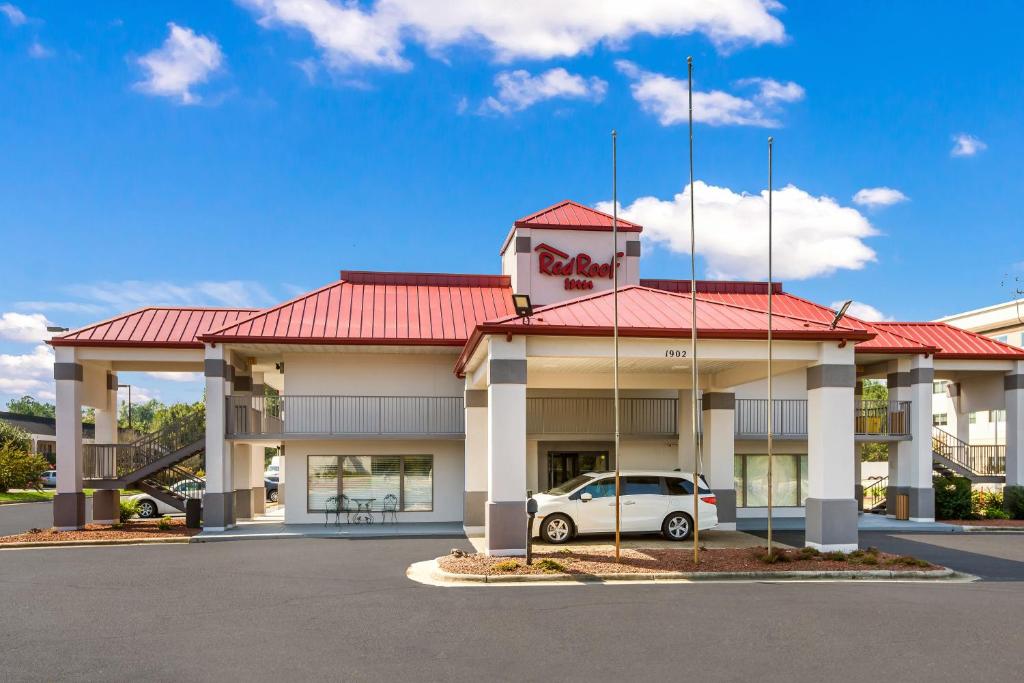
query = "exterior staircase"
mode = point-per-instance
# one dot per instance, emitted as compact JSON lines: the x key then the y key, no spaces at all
{"x":152,"y":463}
{"x":980,"y":464}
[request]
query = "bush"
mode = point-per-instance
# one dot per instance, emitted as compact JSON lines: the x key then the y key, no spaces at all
{"x":834,"y":555}
{"x":952,"y":497}
{"x":20,"y":469}
{"x":550,"y":566}
{"x":164,"y":524}
{"x":988,"y":505}
{"x":1013,"y":501}
{"x":506,"y":565}
{"x":14,"y":437}
{"x":127,"y":509}
{"x":776,"y":557}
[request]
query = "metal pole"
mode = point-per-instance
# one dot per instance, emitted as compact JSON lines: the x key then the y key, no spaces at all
{"x":693,"y":334}
{"x":771,"y":402}
{"x":615,"y":341}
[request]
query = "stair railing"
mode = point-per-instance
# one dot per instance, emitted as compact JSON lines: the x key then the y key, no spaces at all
{"x":983,"y":460}
{"x":113,"y":461}
{"x":876,"y":493}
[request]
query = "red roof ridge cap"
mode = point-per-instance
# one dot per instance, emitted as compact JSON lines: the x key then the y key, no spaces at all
{"x":267,"y":311}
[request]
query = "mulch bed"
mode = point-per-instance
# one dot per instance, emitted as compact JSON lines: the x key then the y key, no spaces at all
{"x":133,"y":530}
{"x":986,"y":522}
{"x":670,"y":560}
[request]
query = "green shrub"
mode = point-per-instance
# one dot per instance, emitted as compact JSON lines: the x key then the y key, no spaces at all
{"x":506,"y":565}
{"x":20,"y":469}
{"x":1013,"y":501}
{"x":952,"y":497}
{"x":776,"y":557}
{"x":908,"y":561}
{"x":987,"y":505}
{"x":127,"y":509}
{"x":834,"y":555}
{"x":869,"y":559}
{"x":550,"y":566}
{"x":808,"y":552}
{"x":14,"y":437}
{"x":164,"y":524}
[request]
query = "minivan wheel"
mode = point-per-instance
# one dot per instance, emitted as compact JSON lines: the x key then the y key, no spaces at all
{"x":677,"y":527}
{"x":556,"y":529}
{"x":147,"y":509}
{"x":273,"y":496}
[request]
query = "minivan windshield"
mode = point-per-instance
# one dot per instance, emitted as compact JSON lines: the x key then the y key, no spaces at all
{"x":570,"y":485}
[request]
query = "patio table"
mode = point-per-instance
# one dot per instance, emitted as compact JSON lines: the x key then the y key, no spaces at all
{"x":364,"y":510}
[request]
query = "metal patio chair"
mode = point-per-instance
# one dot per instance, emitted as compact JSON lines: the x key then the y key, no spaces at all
{"x":333,"y":506}
{"x":390,"y":507}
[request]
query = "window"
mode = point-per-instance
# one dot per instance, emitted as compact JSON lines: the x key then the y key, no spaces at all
{"x":1003,"y":338}
{"x":999,"y":416}
{"x":940,"y":419}
{"x":938,"y":387}
{"x":603,"y":488}
{"x":370,"y":479}
{"x":789,"y":474}
{"x":684,"y":487}
{"x":639,"y":486}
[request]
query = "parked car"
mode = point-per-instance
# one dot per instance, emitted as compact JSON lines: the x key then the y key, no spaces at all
{"x":48,"y":480}
{"x":151,"y":507}
{"x":270,"y":484}
{"x":651,"y":501}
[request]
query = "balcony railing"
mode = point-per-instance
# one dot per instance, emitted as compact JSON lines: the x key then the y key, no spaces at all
{"x":292,"y":416}
{"x":596,"y":415}
{"x":882,"y":418}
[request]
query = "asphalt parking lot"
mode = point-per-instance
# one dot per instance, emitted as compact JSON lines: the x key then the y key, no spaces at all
{"x":343,"y":610}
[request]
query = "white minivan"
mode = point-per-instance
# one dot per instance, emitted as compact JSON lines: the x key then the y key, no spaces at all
{"x":651,"y":501}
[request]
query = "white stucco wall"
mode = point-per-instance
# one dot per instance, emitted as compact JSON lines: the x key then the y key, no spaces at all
{"x":448,"y":475}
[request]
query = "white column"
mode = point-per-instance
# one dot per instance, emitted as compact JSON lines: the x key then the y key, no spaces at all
{"x":257,"y":465}
{"x":475,"y":495}
{"x":106,"y":415}
{"x":241,"y":455}
{"x":919,"y":449}
{"x":719,"y":451}
{"x":219,"y":499}
{"x":1013,"y":387}
{"x":901,"y":453}
{"x":831,"y":507}
{"x":69,"y":502}
{"x":506,"y":447}
{"x":684,"y":420}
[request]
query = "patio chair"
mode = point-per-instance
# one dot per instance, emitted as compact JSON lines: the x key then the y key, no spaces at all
{"x":348,"y":507}
{"x":390,"y":507}
{"x":332,"y":506}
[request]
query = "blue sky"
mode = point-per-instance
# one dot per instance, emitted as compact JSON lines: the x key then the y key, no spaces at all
{"x":238,"y":152}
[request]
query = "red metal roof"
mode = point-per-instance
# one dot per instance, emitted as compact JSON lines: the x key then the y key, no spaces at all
{"x":154,"y":326}
{"x":648,"y":312}
{"x":380,"y":308}
{"x":953,"y":342}
{"x":570,"y":215}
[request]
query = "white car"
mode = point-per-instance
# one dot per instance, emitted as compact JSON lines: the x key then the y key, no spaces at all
{"x":651,"y":501}
{"x":150,"y":507}
{"x":48,"y":479}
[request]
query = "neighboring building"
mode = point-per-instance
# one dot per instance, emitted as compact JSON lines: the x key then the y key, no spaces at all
{"x":428,"y":392}
{"x":43,"y":432}
{"x":1005,"y":324}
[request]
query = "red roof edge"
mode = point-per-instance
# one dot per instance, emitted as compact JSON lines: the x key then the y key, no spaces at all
{"x":532,"y":221}
{"x":711,"y":286}
{"x":367,"y":277}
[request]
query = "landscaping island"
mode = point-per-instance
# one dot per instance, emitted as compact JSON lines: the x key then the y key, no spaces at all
{"x":131,"y":531}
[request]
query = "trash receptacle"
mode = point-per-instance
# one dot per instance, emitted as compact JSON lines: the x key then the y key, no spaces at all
{"x":902,"y":506}
{"x":193,"y":512}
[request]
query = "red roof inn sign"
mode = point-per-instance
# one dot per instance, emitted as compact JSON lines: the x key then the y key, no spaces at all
{"x":579,"y":271}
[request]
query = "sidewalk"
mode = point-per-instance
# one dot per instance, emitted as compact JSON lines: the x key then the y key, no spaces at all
{"x":865,"y":522}
{"x":272,"y":526}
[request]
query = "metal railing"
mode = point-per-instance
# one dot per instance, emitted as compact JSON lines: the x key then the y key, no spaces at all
{"x":291,"y":415}
{"x":982,"y":460}
{"x":179,"y":481}
{"x":789,"y":417}
{"x":882,"y":418}
{"x":113,"y":461}
{"x":595,"y":415}
{"x":875,"y":493}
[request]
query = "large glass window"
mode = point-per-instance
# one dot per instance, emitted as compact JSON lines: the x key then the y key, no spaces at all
{"x":372,"y":480}
{"x":789,"y":475}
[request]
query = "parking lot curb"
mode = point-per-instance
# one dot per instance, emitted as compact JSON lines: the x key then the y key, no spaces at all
{"x":444,"y":577}
{"x":94,"y":542}
{"x":966,"y":528}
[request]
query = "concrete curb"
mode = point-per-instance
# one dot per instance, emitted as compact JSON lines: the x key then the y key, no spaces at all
{"x":944,"y":574}
{"x":200,"y":538}
{"x":967,"y":528}
{"x":95,"y":542}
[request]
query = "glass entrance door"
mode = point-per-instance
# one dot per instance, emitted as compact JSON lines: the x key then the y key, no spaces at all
{"x":563,"y":466}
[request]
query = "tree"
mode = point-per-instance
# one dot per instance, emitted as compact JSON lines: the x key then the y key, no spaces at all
{"x":142,"y":415}
{"x":874,"y":452}
{"x":27,"y":405}
{"x":14,"y":437}
{"x":20,"y":469}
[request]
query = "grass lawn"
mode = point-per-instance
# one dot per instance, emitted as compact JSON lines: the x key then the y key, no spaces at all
{"x":45,"y":494}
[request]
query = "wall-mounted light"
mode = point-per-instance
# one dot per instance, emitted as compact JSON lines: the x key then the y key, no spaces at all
{"x":521,"y":302}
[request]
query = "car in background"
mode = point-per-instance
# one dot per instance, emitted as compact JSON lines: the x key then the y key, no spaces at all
{"x":48,"y":480}
{"x":270,"y":484}
{"x":651,"y":501}
{"x":150,"y":507}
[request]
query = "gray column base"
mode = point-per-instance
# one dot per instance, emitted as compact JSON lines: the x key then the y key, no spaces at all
{"x":506,"y":528}
{"x":473,"y":508}
{"x":259,"y":500}
{"x":832,"y":524}
{"x":69,"y":511}
{"x":280,"y":492}
{"x":922,"y":504}
{"x":218,"y":510}
{"x":243,"y":504}
{"x":858,"y":494}
{"x":106,"y":507}
{"x":726,"y":508}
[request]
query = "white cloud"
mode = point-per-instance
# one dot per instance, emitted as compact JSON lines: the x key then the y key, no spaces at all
{"x":878,"y":196}
{"x":518,"y":89}
{"x":128,"y":294}
{"x":667,"y":98}
{"x":812,"y":236}
{"x":39,"y":51}
{"x":21,"y":327}
{"x":347,"y":34}
{"x":13,"y":14}
{"x":965,"y":145}
{"x":27,"y":373}
{"x":183,"y":61}
{"x":140,"y":394}
{"x":308,"y":67}
{"x":859,"y":309}
{"x":177,"y":376}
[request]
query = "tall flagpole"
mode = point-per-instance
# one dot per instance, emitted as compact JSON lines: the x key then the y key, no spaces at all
{"x":771,"y":403}
{"x":615,"y":339}
{"x":693,"y":334}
